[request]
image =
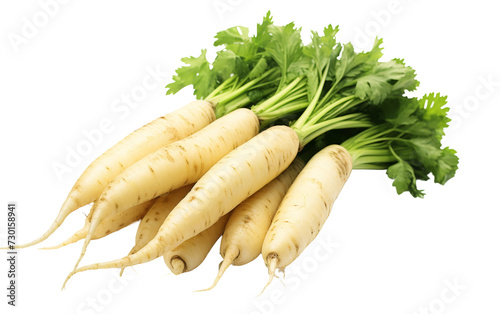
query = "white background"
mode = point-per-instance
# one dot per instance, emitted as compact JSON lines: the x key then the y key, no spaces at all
{"x":378,"y":252}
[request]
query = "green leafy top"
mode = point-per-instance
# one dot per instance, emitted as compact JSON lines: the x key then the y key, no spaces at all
{"x":241,"y":55}
{"x":326,"y":80}
{"x":196,"y":73}
{"x":285,"y":48}
{"x":345,"y":82}
{"x":406,"y":141}
{"x":246,"y":69}
{"x":330,"y":87}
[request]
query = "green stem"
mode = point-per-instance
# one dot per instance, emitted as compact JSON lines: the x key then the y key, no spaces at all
{"x":373,"y":160}
{"x":239,"y":102}
{"x":355,"y":120}
{"x":371,"y":141}
{"x":305,"y":115}
{"x":286,"y":102}
{"x":328,"y":94}
{"x":342,"y":109}
{"x":220,"y":87}
{"x":327,"y":110}
{"x":282,"y":111}
{"x":367,"y":137}
{"x":368,"y":166}
{"x":277,"y":97}
{"x":226,"y":97}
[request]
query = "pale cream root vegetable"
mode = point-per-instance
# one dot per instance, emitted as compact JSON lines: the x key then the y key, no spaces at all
{"x":147,"y":139}
{"x":171,"y":167}
{"x":191,"y":253}
{"x":149,"y":225}
{"x":109,"y":225}
{"x":305,"y":207}
{"x":249,"y":222}
{"x":234,"y":178}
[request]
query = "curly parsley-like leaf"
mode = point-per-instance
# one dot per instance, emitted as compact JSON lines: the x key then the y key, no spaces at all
{"x":447,"y":166}
{"x":435,"y":113}
{"x":321,"y":52}
{"x":404,"y":178}
{"x":285,"y":47}
{"x":377,"y":85}
{"x":262,"y":35}
{"x":196,"y":73}
{"x":258,"y":69}
{"x":236,"y":34}
{"x":407,"y":83}
{"x":352,"y":64}
{"x":224,"y":64}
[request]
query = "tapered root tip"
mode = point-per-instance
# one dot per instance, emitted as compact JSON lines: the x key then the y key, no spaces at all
{"x":60,"y":245}
{"x":67,"y":208}
{"x":178,"y":266}
{"x":231,"y":254}
{"x":123,"y":262}
{"x":90,"y":233}
{"x":67,"y":278}
{"x":87,"y":240}
{"x":219,"y":275}
{"x":272,"y":263}
{"x":77,"y":236}
{"x":42,"y":238}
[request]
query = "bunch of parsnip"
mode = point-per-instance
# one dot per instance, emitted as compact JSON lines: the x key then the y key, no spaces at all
{"x":260,"y":157}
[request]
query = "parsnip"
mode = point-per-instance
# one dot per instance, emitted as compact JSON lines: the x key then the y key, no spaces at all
{"x":171,"y":167}
{"x":249,"y":222}
{"x":234,"y":178}
{"x":333,"y":88}
{"x":305,"y":207}
{"x":111,"y":224}
{"x":147,"y":139}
